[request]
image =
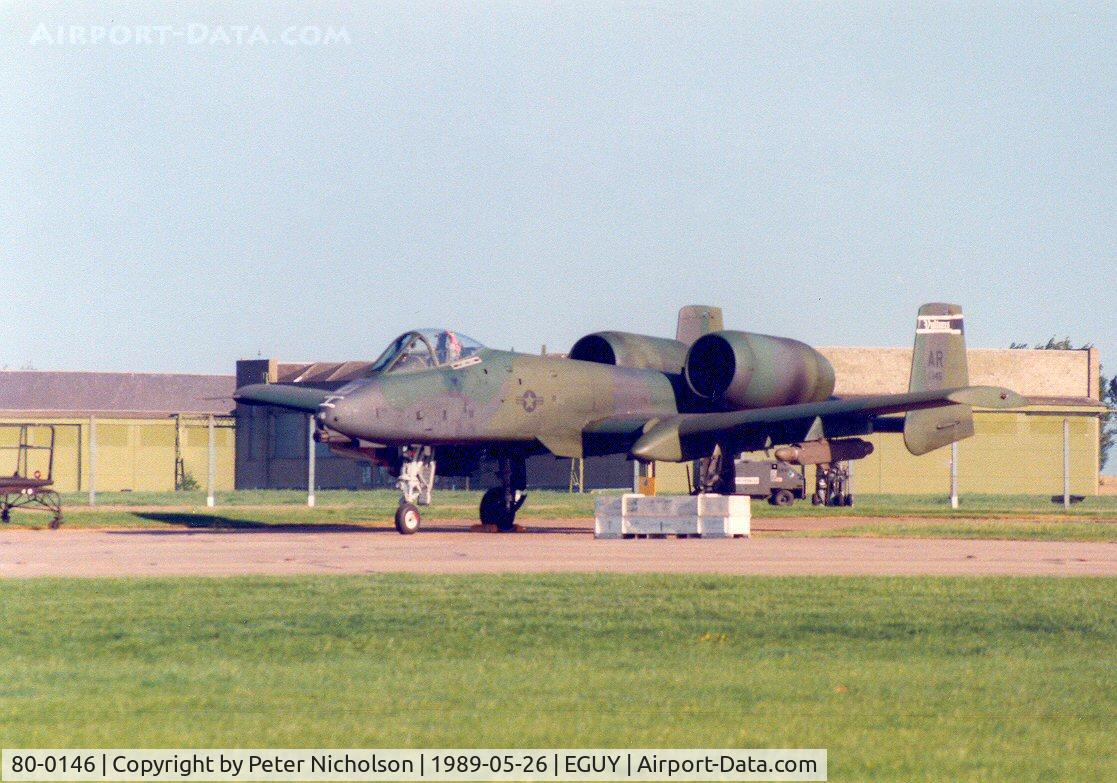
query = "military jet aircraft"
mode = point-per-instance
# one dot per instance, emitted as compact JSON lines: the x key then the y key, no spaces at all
{"x":709,"y":394}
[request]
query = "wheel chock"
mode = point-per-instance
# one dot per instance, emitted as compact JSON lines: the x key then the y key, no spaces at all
{"x":483,"y":528}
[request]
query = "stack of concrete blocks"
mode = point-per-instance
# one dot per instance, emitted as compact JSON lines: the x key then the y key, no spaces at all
{"x":685,"y":516}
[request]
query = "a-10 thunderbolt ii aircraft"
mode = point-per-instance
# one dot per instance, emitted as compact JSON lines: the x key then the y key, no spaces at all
{"x":438,"y":397}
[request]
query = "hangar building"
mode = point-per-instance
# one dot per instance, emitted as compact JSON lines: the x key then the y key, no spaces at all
{"x":1013,"y":452}
{"x":148,"y":430}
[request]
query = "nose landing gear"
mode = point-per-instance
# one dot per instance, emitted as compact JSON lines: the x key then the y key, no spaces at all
{"x":416,"y":484}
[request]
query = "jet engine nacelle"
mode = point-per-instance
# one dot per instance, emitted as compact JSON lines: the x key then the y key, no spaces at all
{"x":745,"y":370}
{"x":637,"y":351}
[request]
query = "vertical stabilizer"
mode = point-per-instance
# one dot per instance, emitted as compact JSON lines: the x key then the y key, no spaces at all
{"x":938,"y":362}
{"x":697,"y":320}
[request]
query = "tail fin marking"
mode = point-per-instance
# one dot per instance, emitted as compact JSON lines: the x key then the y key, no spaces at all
{"x":938,"y":362}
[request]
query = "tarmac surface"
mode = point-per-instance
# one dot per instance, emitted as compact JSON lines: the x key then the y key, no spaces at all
{"x":543,"y":547}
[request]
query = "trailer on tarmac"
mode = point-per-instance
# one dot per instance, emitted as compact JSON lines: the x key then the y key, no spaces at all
{"x":777,"y":482}
{"x":26,"y":471}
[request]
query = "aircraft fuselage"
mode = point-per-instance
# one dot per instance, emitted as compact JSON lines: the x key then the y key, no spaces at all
{"x":495,"y":396}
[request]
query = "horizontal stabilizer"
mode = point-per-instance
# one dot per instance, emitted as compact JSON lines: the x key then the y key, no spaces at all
{"x":282,"y":395}
{"x":686,"y":436}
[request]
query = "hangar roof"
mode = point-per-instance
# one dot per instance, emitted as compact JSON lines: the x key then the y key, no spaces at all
{"x":114,"y":393}
{"x":323,"y":372}
{"x":1046,"y":377}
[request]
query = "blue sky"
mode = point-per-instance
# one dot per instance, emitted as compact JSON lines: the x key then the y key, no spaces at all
{"x":530,"y":173}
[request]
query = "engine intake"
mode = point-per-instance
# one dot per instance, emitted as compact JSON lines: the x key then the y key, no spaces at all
{"x":745,"y":370}
{"x":637,"y":351}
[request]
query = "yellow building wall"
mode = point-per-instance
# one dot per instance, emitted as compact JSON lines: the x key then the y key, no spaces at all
{"x":1013,"y":453}
{"x":195,"y":453}
{"x":673,"y":478}
{"x":135,"y":455}
{"x":115,"y":459}
{"x":1009,"y":454}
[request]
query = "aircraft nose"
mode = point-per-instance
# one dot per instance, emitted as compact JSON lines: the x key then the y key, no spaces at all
{"x":347,"y":410}
{"x":332,"y":411}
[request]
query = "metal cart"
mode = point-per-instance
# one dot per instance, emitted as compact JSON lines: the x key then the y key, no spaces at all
{"x":26,"y":471}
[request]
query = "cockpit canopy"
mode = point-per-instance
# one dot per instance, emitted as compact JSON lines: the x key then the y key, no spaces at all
{"x":424,"y":348}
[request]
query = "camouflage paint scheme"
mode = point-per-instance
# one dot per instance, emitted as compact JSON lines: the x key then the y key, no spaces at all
{"x":506,"y":399}
{"x":670,"y":401}
{"x":709,"y":394}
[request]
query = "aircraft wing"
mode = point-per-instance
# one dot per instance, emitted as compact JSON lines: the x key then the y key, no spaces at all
{"x":283,"y":395}
{"x":690,"y":435}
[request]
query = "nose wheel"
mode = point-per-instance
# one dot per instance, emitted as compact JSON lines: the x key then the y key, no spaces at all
{"x":407,"y":518}
{"x":416,"y":485}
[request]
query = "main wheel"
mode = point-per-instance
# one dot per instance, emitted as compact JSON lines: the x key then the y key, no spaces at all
{"x":493,"y":511}
{"x":782,"y":497}
{"x":816,"y":499}
{"x":848,"y":500}
{"x":407,"y":518}
{"x":492,"y":506}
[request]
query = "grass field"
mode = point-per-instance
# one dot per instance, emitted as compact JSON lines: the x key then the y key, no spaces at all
{"x":901,"y":679}
{"x":1017,"y":517}
{"x":544,"y":504}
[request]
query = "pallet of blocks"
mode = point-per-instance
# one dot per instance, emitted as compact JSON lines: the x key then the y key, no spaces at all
{"x":682,"y":516}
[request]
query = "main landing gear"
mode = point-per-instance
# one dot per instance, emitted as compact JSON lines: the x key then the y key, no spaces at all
{"x":500,"y":504}
{"x":415,"y":483}
{"x":715,"y":473}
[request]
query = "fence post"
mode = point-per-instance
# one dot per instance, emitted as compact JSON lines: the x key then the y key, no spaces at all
{"x":310,"y":458}
{"x":1066,"y":463}
{"x":212,"y":479}
{"x":954,"y":475}
{"x":92,"y":461}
